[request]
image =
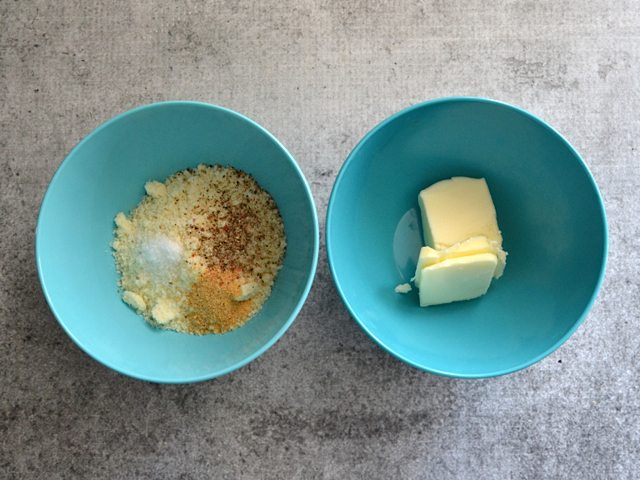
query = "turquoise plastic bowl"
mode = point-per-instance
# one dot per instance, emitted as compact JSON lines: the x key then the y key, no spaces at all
{"x":105,"y":174}
{"x":549,"y":210}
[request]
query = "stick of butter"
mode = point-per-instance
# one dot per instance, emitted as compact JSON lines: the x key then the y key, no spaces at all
{"x":457,"y":209}
{"x":480,"y":244}
{"x":461,"y":278}
{"x":464,"y":249}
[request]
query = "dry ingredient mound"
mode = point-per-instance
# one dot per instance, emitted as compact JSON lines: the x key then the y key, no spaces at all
{"x":201,"y":251}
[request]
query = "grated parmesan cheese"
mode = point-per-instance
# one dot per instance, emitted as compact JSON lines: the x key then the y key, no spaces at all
{"x":201,"y":251}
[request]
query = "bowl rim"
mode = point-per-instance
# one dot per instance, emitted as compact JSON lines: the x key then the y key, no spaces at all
{"x":215,"y":372}
{"x":464,"y":99}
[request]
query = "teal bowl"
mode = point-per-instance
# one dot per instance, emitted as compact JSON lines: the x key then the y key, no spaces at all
{"x":549,"y":210}
{"x":106,"y":174}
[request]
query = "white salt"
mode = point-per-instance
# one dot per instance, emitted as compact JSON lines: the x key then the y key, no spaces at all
{"x":159,"y":255}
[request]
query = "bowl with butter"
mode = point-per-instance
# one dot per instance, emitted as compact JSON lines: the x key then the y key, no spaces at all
{"x":467,"y":237}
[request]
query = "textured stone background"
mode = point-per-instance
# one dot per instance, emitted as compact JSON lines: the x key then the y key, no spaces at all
{"x":324,"y":402}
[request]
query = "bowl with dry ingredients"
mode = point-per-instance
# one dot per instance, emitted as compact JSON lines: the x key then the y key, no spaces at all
{"x":177,"y":242}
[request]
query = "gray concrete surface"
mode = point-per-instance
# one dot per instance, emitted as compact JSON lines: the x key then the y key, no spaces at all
{"x":324,"y":402}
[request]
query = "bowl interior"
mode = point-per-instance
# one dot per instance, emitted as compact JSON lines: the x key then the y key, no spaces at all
{"x":549,"y":211}
{"x":105,"y":174}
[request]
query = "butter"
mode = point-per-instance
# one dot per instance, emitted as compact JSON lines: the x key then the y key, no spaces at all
{"x":464,"y":244}
{"x":247,"y":291}
{"x":455,"y":279}
{"x":123,"y":223}
{"x":457,"y":209}
{"x":164,"y":311}
{"x":403,"y":288}
{"x":155,"y":189}
{"x":135,"y":300}
{"x":480,"y":244}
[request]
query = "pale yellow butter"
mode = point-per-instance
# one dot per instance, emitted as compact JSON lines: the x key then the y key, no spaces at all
{"x":123,"y":223}
{"x":464,"y":244}
{"x":480,"y":244}
{"x":135,"y":300}
{"x":403,"y":288}
{"x":247,"y":291}
{"x":457,"y":209}
{"x":164,"y":311}
{"x":455,"y":279}
{"x":155,"y":189}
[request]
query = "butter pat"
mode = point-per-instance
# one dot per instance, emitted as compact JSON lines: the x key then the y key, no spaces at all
{"x":464,"y":244}
{"x":455,"y":279}
{"x":457,"y":209}
{"x":480,"y":244}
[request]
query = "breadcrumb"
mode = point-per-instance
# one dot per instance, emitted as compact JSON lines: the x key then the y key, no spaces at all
{"x":201,"y":251}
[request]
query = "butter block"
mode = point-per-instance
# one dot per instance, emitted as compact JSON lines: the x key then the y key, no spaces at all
{"x":458,"y":278}
{"x":457,"y":209}
{"x":480,"y":244}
